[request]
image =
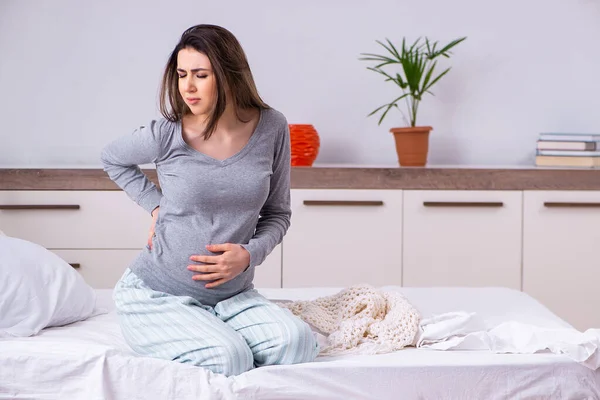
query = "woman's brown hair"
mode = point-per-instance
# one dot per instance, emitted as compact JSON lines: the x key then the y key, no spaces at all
{"x":231,"y":69}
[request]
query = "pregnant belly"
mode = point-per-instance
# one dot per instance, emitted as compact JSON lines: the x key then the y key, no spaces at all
{"x":181,"y":243}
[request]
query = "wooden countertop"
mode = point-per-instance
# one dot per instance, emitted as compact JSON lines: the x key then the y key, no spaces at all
{"x":340,"y":177}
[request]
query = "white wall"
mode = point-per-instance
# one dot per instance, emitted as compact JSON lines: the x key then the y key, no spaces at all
{"x":75,"y":74}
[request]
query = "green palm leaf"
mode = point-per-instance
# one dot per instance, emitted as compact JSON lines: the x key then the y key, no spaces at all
{"x":417,"y":63}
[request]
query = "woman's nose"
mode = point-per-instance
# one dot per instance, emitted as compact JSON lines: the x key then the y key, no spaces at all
{"x":189,"y":85}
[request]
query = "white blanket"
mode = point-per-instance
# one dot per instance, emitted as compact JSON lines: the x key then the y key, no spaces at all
{"x":468,"y":331}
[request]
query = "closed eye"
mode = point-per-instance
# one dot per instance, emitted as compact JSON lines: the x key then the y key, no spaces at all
{"x":198,"y":76}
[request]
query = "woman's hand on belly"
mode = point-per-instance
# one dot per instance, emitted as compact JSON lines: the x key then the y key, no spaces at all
{"x":223,"y":267}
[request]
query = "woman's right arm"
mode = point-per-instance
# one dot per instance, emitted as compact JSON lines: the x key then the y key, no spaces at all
{"x":121,"y":158}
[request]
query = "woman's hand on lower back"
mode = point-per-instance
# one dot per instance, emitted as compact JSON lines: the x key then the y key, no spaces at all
{"x":151,"y":233}
{"x":221,"y":268}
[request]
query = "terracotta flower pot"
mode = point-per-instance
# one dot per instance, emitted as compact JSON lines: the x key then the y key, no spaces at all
{"x":305,"y":144}
{"x":412,"y":145}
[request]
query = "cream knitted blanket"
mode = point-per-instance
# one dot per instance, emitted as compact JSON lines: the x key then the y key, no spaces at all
{"x":360,"y":319}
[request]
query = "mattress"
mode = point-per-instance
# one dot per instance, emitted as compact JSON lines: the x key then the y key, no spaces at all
{"x":90,"y":360}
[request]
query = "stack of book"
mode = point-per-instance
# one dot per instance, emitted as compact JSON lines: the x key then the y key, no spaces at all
{"x":568,"y":150}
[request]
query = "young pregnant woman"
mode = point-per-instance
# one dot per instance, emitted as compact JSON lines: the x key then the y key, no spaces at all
{"x":223,"y":163}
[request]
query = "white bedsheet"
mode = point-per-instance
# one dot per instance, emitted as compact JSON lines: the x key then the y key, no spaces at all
{"x":90,"y":360}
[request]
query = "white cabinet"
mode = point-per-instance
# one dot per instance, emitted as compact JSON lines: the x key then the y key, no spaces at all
{"x":561,"y":257}
{"x":462,"y":238}
{"x":343,"y":237}
{"x":545,"y":242}
{"x":268,"y":274}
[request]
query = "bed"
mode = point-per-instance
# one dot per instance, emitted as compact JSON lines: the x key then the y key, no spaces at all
{"x":90,"y":360}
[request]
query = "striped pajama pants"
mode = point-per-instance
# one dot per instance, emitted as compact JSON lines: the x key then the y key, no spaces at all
{"x":234,"y":336}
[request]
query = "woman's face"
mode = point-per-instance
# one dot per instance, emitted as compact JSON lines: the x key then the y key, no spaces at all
{"x":197,"y":84}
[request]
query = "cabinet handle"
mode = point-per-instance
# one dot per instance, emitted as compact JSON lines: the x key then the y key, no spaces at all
{"x":463,"y":204}
{"x":75,"y":265}
{"x":39,"y":206}
{"x":343,"y":202}
{"x":570,"y":204}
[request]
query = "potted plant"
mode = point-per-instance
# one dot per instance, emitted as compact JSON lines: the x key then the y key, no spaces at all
{"x":416,"y":76}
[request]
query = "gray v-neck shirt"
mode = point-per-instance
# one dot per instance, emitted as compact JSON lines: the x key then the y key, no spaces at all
{"x":244,"y":199}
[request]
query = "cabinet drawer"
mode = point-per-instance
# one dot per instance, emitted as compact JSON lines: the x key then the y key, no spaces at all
{"x":75,"y":219}
{"x":561,"y":268}
{"x":101,"y":269}
{"x":343,"y":237}
{"x":462,"y":238}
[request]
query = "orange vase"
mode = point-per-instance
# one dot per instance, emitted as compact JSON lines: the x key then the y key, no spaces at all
{"x":305,"y":144}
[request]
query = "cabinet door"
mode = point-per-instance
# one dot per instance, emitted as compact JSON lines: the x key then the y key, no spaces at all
{"x":101,"y":269}
{"x":462,"y":238}
{"x":268,"y":274}
{"x":561,"y":262}
{"x":342,"y":237}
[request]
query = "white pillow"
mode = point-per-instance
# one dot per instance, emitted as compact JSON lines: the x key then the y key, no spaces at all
{"x":2,"y":233}
{"x":38,"y":289}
